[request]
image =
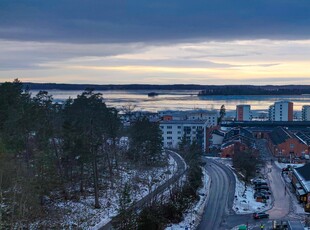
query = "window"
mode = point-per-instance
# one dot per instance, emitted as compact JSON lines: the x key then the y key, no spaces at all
{"x":179,"y":127}
{"x":179,"y":132}
{"x":162,"y":127}
{"x":169,"y":143}
{"x":169,"y":138}
{"x":169,"y":127}
{"x":169,"y":132}
{"x":292,"y":146}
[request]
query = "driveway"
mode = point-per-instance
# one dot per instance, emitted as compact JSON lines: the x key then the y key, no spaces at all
{"x":282,"y":201}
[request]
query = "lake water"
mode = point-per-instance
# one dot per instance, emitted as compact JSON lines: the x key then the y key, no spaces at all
{"x":182,"y":100}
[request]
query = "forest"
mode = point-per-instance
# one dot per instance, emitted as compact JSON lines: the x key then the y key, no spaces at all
{"x":64,"y":166}
{"x":51,"y":152}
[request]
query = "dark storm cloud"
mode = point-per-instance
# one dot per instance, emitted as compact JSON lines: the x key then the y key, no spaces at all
{"x":158,"y":21}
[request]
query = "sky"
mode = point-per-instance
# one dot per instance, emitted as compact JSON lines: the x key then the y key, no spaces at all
{"x":155,"y":42}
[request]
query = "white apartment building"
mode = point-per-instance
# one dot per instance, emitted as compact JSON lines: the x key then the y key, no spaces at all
{"x":198,"y":114}
{"x":203,"y":115}
{"x":243,"y":113}
{"x":305,"y":113}
{"x":174,"y":130}
{"x":281,"y":111}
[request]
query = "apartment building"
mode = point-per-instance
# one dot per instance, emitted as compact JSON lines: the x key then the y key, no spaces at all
{"x":281,"y":111}
{"x":174,"y":130}
{"x":198,"y":114}
{"x":203,"y":115}
{"x":305,"y":113}
{"x":243,"y":113}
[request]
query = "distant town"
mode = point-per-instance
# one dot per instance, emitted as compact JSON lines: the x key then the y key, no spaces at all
{"x":205,"y":126}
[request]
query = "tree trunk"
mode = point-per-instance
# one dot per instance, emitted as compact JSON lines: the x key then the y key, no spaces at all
{"x":82,"y":178}
{"x":96,"y":189}
{"x":110,"y":167}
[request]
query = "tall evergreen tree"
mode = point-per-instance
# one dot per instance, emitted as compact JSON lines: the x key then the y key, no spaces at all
{"x":146,"y":141}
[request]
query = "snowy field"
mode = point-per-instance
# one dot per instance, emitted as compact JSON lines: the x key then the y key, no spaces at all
{"x":81,"y":214}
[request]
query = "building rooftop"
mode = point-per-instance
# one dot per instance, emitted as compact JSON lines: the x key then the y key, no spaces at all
{"x":303,"y":174}
{"x":303,"y":137}
{"x":184,"y":122}
{"x":216,"y":131}
{"x":166,"y":112}
{"x":240,"y":135}
{"x":279,"y":135}
{"x":304,"y":171}
{"x":238,"y":132}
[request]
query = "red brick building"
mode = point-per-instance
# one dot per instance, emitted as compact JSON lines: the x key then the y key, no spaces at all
{"x":284,"y":144}
{"x":237,"y":139}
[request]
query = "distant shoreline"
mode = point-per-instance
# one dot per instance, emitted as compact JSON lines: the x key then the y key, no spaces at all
{"x":202,"y":90}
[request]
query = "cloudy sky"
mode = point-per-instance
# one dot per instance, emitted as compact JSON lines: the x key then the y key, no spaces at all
{"x":155,"y":42}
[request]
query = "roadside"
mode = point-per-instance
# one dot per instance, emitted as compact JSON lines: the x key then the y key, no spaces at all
{"x":244,"y":201}
{"x":181,"y":169}
{"x":193,"y":216}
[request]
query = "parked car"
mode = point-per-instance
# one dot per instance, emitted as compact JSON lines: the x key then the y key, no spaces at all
{"x":261,"y":195}
{"x":258,"y":180}
{"x":263,"y":187}
{"x":260,"y":215}
{"x":265,"y":192}
{"x":285,"y":169}
{"x":261,"y":183}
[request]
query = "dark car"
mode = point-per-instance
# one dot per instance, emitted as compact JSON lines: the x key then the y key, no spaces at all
{"x":260,"y":184}
{"x":261,"y":195}
{"x":263,"y":187}
{"x":260,"y":215}
{"x":265,"y":192}
{"x":258,"y":181}
{"x":285,"y":169}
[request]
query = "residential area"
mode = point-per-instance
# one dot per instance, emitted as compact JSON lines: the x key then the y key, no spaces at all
{"x":268,"y":158}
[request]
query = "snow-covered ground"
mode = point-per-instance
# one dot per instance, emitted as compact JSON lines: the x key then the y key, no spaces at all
{"x":244,"y":201}
{"x":284,"y":165}
{"x":193,"y":215}
{"x":82,"y":214}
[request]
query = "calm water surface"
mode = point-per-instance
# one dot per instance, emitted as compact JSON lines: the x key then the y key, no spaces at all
{"x":181,"y":100}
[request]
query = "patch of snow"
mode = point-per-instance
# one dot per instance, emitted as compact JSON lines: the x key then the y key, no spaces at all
{"x":245,"y":202}
{"x":82,"y":214}
{"x":284,"y":165}
{"x":193,"y":215}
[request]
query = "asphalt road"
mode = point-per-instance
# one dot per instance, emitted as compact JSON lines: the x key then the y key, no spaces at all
{"x":221,"y":195}
{"x":181,"y":169}
{"x":218,"y":212}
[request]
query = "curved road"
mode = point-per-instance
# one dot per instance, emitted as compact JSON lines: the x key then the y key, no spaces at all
{"x":181,"y":169}
{"x":221,"y":196}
